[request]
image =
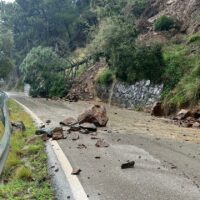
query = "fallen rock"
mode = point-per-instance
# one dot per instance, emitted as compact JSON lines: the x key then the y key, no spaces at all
{"x":196,"y":113}
{"x":96,"y":114}
{"x":48,"y":121}
{"x":128,"y":165}
{"x":75,"y":127}
{"x":75,"y":137}
{"x":84,"y":131}
{"x":196,"y":125}
{"x":57,"y":133}
{"x":89,"y":127}
{"x":76,"y":172}
{"x":43,"y":131}
{"x":68,"y":121}
{"x":94,"y":138}
{"x":18,"y":126}
{"x":101,"y":143}
{"x":157,"y":109}
{"x":183,"y":114}
{"x":81,"y":146}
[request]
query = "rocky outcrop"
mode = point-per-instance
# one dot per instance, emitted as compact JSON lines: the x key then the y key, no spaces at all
{"x":140,"y":94}
{"x":185,"y":11}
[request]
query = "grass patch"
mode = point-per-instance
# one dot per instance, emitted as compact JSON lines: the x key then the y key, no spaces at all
{"x":105,"y":77}
{"x":181,"y":77}
{"x":26,"y":165}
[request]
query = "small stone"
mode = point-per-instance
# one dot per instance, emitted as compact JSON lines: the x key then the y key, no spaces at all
{"x":76,"y":172}
{"x":75,"y":137}
{"x":128,"y":165}
{"x":48,"y":121}
{"x":101,"y":143}
{"x":82,"y":146}
{"x":56,"y":170}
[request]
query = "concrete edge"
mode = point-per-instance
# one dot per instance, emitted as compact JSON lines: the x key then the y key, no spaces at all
{"x":72,"y":182}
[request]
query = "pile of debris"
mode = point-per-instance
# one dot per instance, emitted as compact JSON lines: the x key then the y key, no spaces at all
{"x":87,"y":122}
{"x":188,"y":118}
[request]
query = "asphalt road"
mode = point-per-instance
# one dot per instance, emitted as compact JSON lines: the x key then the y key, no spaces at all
{"x":167,"y":157}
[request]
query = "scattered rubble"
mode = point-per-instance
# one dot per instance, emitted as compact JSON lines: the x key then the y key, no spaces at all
{"x":128,"y":165}
{"x":54,"y":133}
{"x":87,"y":123}
{"x":188,"y":118}
{"x":101,"y":143}
{"x":18,"y":126}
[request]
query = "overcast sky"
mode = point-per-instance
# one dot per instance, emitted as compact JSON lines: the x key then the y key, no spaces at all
{"x":9,"y":0}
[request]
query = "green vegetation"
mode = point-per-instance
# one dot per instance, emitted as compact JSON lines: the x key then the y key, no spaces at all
{"x":6,"y":47}
{"x":194,"y":38}
{"x":105,"y":77}
{"x":25,"y":171}
{"x":43,"y":38}
{"x":164,"y":23}
{"x":181,"y":76}
{"x":42,"y":69}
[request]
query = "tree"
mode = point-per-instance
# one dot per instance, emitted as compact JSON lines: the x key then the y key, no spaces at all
{"x":40,"y":71}
{"x":6,"y":49}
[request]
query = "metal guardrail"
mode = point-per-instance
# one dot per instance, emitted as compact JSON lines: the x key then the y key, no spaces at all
{"x":5,"y":141}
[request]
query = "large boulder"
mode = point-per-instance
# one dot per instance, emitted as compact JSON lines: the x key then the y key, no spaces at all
{"x":157,"y":109}
{"x":96,"y":114}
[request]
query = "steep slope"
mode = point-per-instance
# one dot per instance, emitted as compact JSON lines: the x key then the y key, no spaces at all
{"x":187,"y":12}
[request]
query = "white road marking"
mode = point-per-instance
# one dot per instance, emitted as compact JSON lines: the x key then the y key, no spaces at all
{"x":75,"y":185}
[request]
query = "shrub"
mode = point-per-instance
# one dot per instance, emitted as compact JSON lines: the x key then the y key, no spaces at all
{"x":194,"y":38}
{"x":164,"y":23}
{"x":43,"y":70}
{"x":139,"y":7}
{"x":145,"y":62}
{"x":187,"y":91}
{"x":105,"y":77}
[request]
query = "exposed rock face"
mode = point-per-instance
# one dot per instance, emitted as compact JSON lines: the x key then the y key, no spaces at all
{"x":140,"y":94}
{"x":185,"y":11}
{"x":96,"y":114}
